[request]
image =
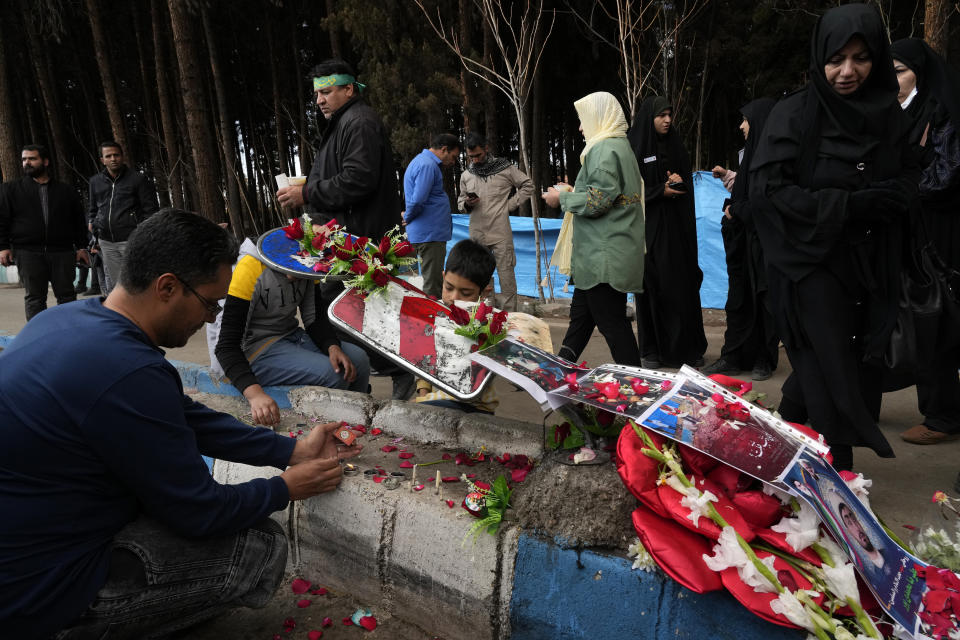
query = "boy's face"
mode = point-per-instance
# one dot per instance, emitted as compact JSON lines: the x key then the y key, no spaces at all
{"x":456,"y":287}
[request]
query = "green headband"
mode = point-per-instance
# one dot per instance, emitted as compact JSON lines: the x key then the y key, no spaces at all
{"x":336,"y":80}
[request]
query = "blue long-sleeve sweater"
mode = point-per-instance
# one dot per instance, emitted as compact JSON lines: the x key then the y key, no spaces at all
{"x":96,"y":431}
{"x":428,"y":207}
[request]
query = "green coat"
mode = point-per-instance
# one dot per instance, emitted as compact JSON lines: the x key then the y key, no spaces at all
{"x":608,"y":223}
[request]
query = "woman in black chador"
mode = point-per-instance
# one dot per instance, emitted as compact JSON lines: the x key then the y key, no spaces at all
{"x":669,"y":319}
{"x":750,"y":340}
{"x":930,"y":96}
{"x":830,"y":183}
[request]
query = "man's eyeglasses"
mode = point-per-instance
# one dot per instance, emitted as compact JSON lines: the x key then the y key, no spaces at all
{"x":213,"y":308}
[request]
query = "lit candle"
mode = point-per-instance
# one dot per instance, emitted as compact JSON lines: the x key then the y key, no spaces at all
{"x":437,"y":483}
{"x":413,"y":479}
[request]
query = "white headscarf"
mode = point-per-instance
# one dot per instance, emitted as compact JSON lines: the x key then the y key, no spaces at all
{"x":601,"y":117}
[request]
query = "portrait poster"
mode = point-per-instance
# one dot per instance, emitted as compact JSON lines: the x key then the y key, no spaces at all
{"x":889,"y":571}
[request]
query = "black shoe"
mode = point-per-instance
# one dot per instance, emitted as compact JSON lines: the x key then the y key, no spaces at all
{"x":722,"y":366}
{"x":403,"y":386}
{"x":761,"y":371}
{"x":80,"y":288}
{"x":650,"y":362}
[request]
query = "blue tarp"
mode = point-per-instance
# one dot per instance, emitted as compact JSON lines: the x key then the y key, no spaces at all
{"x":709,"y":194}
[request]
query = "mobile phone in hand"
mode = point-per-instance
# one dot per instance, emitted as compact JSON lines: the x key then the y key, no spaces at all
{"x":471,"y":194}
{"x":677,"y":186}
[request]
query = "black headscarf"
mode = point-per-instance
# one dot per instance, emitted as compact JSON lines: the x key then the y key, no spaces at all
{"x":847,"y":127}
{"x":755,"y":113}
{"x":646,"y":142}
{"x":938,"y":85}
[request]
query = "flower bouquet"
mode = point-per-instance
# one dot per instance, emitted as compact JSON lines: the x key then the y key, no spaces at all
{"x":484,"y":325}
{"x":329,"y":250}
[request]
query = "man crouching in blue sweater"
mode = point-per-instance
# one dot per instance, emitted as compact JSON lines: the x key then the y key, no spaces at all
{"x":111,"y":523}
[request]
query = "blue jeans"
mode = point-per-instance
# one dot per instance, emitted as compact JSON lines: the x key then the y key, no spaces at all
{"x":160,"y":582}
{"x":295,"y":359}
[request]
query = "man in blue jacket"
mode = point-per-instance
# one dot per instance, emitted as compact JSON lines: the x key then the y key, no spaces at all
{"x":427,"y":216}
{"x":120,"y":199}
{"x":111,"y":519}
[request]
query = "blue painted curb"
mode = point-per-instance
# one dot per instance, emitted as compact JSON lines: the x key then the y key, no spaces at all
{"x":566,"y":594}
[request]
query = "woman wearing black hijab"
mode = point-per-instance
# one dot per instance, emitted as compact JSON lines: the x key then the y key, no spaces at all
{"x":830,"y":183}
{"x":930,"y":96}
{"x":669,"y":318}
{"x":750,"y":340}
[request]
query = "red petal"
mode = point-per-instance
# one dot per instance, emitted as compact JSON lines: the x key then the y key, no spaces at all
{"x":368,"y":622}
{"x":388,"y":448}
{"x":347,"y":622}
{"x":314,"y":635}
{"x":276,"y":636}
{"x":381,"y":471}
{"x":300,"y":586}
{"x":519,"y":475}
{"x":289,"y":623}
{"x":472,"y":476}
{"x":303,"y":603}
{"x":319,"y":592}
{"x":450,"y":479}
{"x":482,"y":485}
{"x":406,"y":465}
{"x":359,"y":428}
{"x":450,"y":503}
{"x":327,"y":622}
{"x":405,"y":455}
{"x":378,"y":479}
{"x":419,"y":487}
{"x":446,"y":456}
{"x":376,"y":432}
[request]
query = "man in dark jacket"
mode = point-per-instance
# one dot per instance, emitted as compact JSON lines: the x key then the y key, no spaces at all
{"x":41,"y":224}
{"x":353,"y":178}
{"x":120,"y":199}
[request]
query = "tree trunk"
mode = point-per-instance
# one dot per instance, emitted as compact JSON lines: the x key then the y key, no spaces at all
{"x":936,"y":25}
{"x":698,"y":160}
{"x":149,"y":99}
{"x":470,"y":114}
{"x":42,"y":69}
{"x":277,"y":113}
{"x":10,"y":144}
{"x":101,"y":44}
{"x":304,"y":149}
{"x":489,"y":93}
{"x":226,"y":130}
{"x":332,"y":30}
{"x":192,"y":78}
{"x":174,"y":177}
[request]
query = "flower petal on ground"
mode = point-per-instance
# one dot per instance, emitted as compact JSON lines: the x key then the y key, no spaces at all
{"x":314,"y":635}
{"x":327,"y":622}
{"x":300,"y":586}
{"x":368,"y":622}
{"x":450,"y":479}
{"x":376,"y":432}
{"x":406,"y":464}
{"x":303,"y":604}
{"x":388,"y":448}
{"x":405,"y":455}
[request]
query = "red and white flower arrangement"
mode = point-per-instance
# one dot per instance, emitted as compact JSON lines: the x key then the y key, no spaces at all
{"x":484,"y":325}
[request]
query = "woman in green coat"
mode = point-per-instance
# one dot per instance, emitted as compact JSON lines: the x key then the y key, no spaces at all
{"x":608,"y":225}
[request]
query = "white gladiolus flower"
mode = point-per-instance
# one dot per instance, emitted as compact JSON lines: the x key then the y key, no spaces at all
{"x":698,"y":503}
{"x":752,"y":577}
{"x":843,"y":634}
{"x":642,"y":558}
{"x":790,"y":608}
{"x":802,"y":529}
{"x":842,"y":581}
{"x":727,"y":552}
{"x":782,"y":496}
{"x":832,"y":548}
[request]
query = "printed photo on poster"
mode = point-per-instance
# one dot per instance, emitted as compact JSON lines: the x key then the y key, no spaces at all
{"x":534,"y":370}
{"x":627,"y":391}
{"x":888,"y":570}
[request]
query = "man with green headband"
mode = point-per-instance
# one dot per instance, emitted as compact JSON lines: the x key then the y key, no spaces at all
{"x":353,"y":179}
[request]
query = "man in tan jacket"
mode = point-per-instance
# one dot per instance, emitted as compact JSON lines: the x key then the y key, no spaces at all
{"x":490,"y":190}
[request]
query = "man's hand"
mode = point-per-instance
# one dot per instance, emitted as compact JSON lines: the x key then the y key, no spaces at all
{"x":312,"y":477}
{"x":726,"y":212}
{"x":263,"y":407}
{"x":719,"y":172}
{"x":320,"y":443}
{"x":342,"y":363}
{"x":6,"y":257}
{"x":83,"y":256}
{"x":290,"y":197}
{"x":470,"y":203}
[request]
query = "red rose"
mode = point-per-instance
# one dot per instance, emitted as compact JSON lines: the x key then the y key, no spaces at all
{"x":403,"y":249}
{"x":331,"y":223}
{"x":458,"y":315}
{"x":295,"y":230}
{"x":481,"y":339}
{"x":361,"y":243}
{"x":482,"y":311}
{"x":318,"y":241}
{"x":380,"y":277}
{"x":498,"y":322}
{"x":384,"y":245}
{"x":348,"y":243}
{"x":358,"y":267}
